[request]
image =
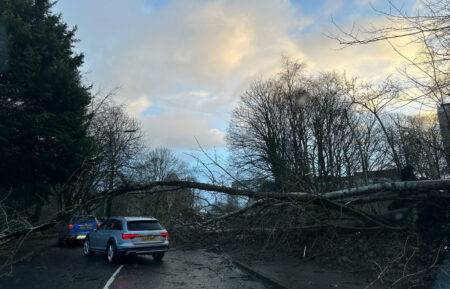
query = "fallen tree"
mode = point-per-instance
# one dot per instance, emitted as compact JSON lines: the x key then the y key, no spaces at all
{"x":412,"y":187}
{"x":308,"y":224}
{"x":333,"y":200}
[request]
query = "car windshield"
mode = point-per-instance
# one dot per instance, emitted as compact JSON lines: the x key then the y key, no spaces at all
{"x":83,"y":220}
{"x":143,"y":225}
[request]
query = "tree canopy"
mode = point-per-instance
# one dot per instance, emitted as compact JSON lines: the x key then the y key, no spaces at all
{"x":43,"y":102}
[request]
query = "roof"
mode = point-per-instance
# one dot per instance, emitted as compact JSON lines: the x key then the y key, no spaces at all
{"x":134,"y":218}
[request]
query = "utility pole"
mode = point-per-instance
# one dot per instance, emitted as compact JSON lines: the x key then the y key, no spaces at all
{"x":108,"y":203}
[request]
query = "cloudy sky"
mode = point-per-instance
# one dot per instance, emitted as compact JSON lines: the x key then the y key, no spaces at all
{"x":180,"y":66}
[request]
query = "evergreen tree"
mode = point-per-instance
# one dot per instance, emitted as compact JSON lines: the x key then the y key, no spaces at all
{"x":43,"y":103}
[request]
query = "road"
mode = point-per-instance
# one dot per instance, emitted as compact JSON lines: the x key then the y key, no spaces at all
{"x":51,"y":267}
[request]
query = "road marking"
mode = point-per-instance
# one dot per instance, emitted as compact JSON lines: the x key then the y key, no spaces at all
{"x":111,"y":279}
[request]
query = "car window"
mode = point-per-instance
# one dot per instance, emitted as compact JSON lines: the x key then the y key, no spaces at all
{"x":109,"y":225}
{"x":143,"y":225}
{"x":105,"y":225}
{"x":116,"y":225}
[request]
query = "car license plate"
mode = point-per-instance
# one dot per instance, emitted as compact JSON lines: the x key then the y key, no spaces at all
{"x":81,"y":237}
{"x":148,"y":238}
{"x":86,"y":227}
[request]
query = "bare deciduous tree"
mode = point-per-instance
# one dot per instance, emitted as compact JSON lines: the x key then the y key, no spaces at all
{"x":118,"y":139}
{"x":426,"y":31}
{"x":170,"y":206}
{"x":301,"y":131}
{"x":418,"y":141}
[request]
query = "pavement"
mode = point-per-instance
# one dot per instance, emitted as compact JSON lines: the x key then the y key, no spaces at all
{"x":442,"y":279}
{"x":288,"y":272}
{"x":287,"y":275}
{"x":44,"y":265}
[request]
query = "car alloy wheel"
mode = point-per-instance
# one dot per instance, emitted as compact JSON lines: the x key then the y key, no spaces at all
{"x":87,"y":248}
{"x":61,"y":242}
{"x":111,"y":253}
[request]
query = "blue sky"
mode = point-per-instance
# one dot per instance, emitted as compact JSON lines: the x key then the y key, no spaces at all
{"x":180,"y":66}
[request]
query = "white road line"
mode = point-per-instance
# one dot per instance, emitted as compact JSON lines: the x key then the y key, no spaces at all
{"x":113,"y":276}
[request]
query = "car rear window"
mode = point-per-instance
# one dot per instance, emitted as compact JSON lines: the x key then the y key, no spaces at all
{"x":143,"y":225}
{"x":83,"y":219}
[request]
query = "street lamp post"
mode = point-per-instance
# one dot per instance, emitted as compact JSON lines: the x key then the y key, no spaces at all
{"x":111,"y":175}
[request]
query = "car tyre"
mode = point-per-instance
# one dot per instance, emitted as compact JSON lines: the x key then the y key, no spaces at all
{"x":62,"y":242}
{"x":111,"y":253}
{"x":158,"y":256}
{"x":87,"y":248}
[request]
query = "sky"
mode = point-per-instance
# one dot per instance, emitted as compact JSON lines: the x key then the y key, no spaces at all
{"x":180,"y":66}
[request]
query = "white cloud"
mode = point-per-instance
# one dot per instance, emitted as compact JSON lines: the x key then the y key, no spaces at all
{"x":197,"y":56}
{"x":138,"y":105}
{"x":374,"y":61}
{"x":179,"y":130}
{"x":331,"y":6}
{"x":192,"y":59}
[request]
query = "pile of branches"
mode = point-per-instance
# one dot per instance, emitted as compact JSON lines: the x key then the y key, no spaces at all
{"x":393,"y":233}
{"x":294,"y":219}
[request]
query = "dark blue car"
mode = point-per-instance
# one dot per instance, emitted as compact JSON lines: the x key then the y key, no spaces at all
{"x":77,"y":228}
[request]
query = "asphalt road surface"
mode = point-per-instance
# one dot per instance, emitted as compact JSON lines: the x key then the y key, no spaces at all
{"x":44,"y":265}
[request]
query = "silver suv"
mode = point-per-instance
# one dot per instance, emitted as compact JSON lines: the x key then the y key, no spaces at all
{"x":124,"y":236}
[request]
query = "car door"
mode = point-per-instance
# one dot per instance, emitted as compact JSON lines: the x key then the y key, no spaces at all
{"x":105,"y":234}
{"x":115,"y":229}
{"x":98,"y":235}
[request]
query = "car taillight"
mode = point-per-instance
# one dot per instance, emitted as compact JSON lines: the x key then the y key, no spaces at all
{"x":129,"y":236}
{"x":69,"y":226}
{"x":164,"y":234}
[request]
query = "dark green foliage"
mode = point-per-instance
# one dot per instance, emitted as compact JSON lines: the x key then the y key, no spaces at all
{"x":43,"y":103}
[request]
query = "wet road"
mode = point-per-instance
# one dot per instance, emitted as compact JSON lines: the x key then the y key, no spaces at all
{"x":442,"y":279}
{"x":52,"y":267}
